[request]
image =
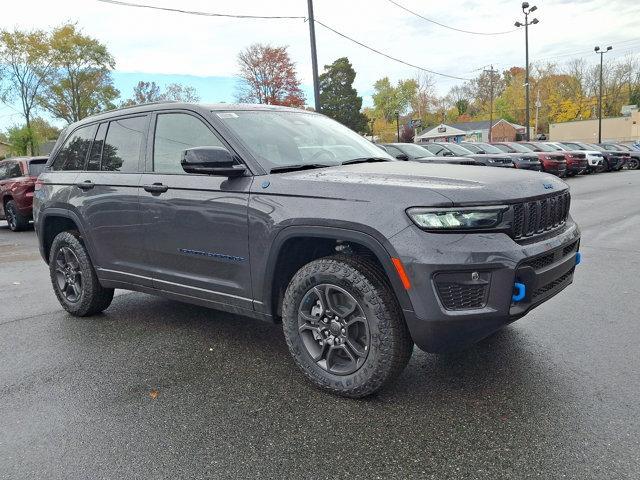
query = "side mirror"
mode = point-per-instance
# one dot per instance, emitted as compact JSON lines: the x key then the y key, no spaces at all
{"x":402,"y":156}
{"x":211,"y":161}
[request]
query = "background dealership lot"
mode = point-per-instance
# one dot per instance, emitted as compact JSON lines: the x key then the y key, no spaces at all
{"x":553,"y":396}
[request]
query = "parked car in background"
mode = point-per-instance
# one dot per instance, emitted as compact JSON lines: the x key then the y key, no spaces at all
{"x":633,"y":145}
{"x":634,"y":155}
{"x":447,"y":149}
{"x":416,"y":153}
{"x":552,"y":162}
{"x":524,"y":161}
{"x":576,"y":161}
{"x":595,"y":158}
{"x":612,"y":161}
{"x":17,"y":183}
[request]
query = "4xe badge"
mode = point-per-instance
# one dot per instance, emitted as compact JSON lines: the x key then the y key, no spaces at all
{"x":547,"y":186}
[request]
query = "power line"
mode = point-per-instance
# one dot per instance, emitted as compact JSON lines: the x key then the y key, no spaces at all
{"x":389,"y":56}
{"x":192,"y":12}
{"x":448,"y":26}
{"x":205,"y":14}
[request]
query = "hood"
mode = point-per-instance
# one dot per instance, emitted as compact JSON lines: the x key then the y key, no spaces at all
{"x":417,"y":184}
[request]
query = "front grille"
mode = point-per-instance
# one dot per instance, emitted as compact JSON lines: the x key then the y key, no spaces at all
{"x":553,"y":284}
{"x":579,"y":155}
{"x":557,"y":157}
{"x":457,"y":296}
{"x":539,"y":216}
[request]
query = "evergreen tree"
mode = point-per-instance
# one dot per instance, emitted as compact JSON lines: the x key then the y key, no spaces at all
{"x":338,"y":98}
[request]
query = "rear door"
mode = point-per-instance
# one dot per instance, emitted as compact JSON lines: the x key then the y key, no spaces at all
{"x":106,"y":197}
{"x":196,"y":226}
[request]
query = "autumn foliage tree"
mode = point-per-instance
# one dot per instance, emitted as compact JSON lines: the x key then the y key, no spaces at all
{"x":268,"y":76}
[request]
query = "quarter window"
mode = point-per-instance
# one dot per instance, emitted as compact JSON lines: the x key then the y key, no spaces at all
{"x":96,"y":148}
{"x":74,"y":151}
{"x":121,"y":149}
{"x":176,"y":132}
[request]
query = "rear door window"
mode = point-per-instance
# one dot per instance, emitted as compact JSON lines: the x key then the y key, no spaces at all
{"x":74,"y":152}
{"x":14,"y":170}
{"x":123,"y":145}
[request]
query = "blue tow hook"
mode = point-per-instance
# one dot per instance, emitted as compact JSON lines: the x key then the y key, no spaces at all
{"x":522,"y":290}
{"x":578,"y":258}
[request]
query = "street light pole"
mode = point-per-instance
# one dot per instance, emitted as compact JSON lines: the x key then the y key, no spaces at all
{"x":527,"y":10}
{"x":398,"y":125}
{"x":601,"y":52}
{"x":314,"y":57}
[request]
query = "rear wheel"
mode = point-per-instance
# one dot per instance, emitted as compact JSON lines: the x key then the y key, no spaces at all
{"x":632,"y":164}
{"x":15,"y":219}
{"x":74,"y":279}
{"x":344,"y":327}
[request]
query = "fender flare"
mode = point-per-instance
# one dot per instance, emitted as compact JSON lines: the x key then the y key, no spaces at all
{"x":64,"y":213}
{"x":383,"y":252}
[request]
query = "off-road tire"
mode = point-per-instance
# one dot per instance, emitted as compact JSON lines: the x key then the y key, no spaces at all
{"x":16,"y":221}
{"x":94,"y":298}
{"x":390,"y":346}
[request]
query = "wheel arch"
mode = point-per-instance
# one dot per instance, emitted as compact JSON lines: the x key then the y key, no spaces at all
{"x":57,"y":220}
{"x":326,"y":241}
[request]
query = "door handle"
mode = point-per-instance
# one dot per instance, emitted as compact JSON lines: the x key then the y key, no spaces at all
{"x":86,"y":185}
{"x":155,"y":188}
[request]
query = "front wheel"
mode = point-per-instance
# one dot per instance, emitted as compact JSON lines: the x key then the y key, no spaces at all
{"x":632,"y":164}
{"x":344,"y":327}
{"x":73,"y":278}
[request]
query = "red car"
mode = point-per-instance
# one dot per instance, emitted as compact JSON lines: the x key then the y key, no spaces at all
{"x":576,"y":161}
{"x":552,"y":162}
{"x":17,"y":181}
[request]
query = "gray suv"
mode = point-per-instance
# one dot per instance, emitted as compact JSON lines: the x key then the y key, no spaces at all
{"x":285,"y":215}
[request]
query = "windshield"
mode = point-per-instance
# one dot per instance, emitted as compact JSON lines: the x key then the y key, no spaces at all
{"x":577,"y":146}
{"x":472,"y":147}
{"x":520,"y":148}
{"x":541,"y":147}
{"x":488,"y":148}
{"x":457,"y":149}
{"x":416,"y":150}
{"x":593,"y":146}
{"x":504,"y":148}
{"x":282,"y":138}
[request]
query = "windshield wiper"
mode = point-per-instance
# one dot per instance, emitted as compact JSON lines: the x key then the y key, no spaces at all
{"x":366,"y":160}
{"x":299,"y":166}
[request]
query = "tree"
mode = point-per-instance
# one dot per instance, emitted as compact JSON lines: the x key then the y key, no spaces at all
{"x":25,"y":66}
{"x":22,"y":140}
{"x":389,"y":100}
{"x":82,"y":83}
{"x":268,"y":76}
{"x":339,"y":99}
{"x":146,"y":92}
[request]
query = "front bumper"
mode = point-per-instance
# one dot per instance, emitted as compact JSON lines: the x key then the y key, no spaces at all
{"x":486,"y":265}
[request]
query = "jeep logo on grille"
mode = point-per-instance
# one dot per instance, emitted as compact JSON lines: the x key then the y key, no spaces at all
{"x":547,"y":186}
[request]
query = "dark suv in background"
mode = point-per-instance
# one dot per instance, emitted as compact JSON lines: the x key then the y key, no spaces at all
{"x":17,"y":183}
{"x":553,"y":163}
{"x":525,"y":161}
{"x":285,"y":215}
{"x":417,"y":153}
{"x":449,"y":149}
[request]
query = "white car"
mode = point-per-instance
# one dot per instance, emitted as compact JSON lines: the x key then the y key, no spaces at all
{"x":594,"y":157}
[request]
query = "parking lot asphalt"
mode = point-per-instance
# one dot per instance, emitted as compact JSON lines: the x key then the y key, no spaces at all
{"x":158,"y":389}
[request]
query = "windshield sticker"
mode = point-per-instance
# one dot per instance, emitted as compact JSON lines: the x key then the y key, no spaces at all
{"x":227,"y":115}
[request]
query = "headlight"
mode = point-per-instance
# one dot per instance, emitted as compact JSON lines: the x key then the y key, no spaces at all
{"x":464,"y":218}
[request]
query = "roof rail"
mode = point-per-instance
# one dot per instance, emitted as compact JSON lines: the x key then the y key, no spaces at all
{"x":159,"y":102}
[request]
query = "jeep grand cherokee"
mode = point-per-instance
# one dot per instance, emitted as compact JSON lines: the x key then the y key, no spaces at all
{"x":285,"y":215}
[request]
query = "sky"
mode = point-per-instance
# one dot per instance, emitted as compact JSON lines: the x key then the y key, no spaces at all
{"x":201,"y":51}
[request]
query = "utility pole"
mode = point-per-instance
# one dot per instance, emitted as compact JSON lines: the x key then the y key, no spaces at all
{"x":526,"y":10}
{"x":490,"y":100}
{"x":538,"y":105}
{"x":314,"y":57}
{"x":601,"y":52}
{"x":398,"y":125}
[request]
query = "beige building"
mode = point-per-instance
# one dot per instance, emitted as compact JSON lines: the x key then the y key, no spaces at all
{"x":613,"y":129}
